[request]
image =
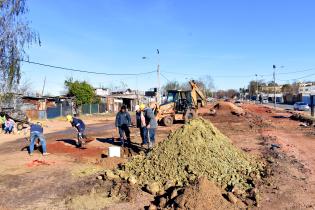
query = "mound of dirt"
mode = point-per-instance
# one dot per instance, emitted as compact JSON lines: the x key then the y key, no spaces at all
{"x":303,"y":118}
{"x":228,"y":106}
{"x":194,"y":150}
{"x":203,"y":195}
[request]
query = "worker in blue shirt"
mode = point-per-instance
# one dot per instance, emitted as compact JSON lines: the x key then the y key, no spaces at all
{"x":80,"y":126}
{"x":122,"y":123}
{"x":37,"y":132}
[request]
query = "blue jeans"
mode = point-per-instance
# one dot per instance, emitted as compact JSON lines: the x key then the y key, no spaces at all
{"x":8,"y":129}
{"x":34,"y":136}
{"x":148,"y":132}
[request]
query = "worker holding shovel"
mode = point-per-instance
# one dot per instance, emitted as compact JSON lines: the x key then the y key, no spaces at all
{"x":80,"y":126}
{"x":37,"y":133}
{"x":150,"y":125}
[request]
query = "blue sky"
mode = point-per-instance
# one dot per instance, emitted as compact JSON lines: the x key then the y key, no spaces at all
{"x":229,"y":40}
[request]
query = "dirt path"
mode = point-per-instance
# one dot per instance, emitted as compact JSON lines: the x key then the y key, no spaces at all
{"x":43,"y":182}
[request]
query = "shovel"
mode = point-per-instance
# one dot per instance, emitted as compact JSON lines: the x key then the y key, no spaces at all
{"x":148,"y":139}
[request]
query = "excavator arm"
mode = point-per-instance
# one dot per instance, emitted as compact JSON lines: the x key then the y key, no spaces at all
{"x":197,"y":93}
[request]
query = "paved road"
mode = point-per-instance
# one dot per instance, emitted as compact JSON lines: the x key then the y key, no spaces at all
{"x":285,"y":106}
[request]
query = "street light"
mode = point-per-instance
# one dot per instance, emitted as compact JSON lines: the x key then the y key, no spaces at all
{"x":158,"y":94}
{"x":274,"y":83}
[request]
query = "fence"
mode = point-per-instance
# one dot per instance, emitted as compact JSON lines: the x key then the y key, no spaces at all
{"x":64,"y":109}
{"x":93,"y":108}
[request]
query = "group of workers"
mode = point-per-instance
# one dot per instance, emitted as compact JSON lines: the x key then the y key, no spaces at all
{"x":145,"y":121}
{"x":7,"y":123}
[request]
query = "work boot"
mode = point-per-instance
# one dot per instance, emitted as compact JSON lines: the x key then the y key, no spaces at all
{"x":122,"y":141}
{"x":78,"y":144}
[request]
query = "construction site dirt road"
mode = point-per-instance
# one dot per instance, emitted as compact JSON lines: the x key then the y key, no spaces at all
{"x":68,"y":178}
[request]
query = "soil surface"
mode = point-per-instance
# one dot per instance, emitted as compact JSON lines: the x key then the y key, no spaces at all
{"x":68,"y":176}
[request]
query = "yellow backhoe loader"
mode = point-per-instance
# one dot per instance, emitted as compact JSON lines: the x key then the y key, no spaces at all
{"x":181,"y":105}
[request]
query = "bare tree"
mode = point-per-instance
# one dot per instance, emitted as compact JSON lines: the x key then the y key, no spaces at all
{"x":15,"y":36}
{"x":208,"y":85}
{"x":171,"y":85}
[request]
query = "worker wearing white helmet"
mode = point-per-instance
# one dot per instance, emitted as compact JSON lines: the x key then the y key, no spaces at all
{"x":149,"y":123}
{"x":140,"y":121}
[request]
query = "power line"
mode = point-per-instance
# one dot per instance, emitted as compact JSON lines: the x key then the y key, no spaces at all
{"x":244,"y":76}
{"x":165,"y":77}
{"x":293,"y":72}
{"x":223,"y":76}
{"x":80,"y":70}
{"x":309,"y":75}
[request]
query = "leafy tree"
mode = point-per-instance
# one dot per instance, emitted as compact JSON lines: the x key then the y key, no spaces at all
{"x":82,"y":91}
{"x":15,"y":35}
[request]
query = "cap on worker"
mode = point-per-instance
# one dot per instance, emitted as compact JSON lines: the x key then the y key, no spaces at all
{"x":142,"y":106}
{"x":137,"y":107}
{"x":69,"y":118}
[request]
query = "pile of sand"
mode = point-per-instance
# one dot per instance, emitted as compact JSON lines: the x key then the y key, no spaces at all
{"x":194,"y":150}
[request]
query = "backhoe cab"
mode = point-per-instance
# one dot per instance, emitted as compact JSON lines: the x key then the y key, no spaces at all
{"x":181,"y":105}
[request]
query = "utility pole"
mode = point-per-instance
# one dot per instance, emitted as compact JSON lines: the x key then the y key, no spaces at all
{"x":137,"y":90}
{"x":158,"y":96}
{"x":44,"y":86}
{"x":274,"y":84}
{"x":256,"y":86}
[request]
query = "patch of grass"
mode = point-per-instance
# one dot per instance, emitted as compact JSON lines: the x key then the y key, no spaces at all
{"x":86,"y":170}
{"x":91,"y":201}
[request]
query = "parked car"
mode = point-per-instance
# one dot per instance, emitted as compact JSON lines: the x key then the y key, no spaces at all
{"x":301,"y":106}
{"x":18,"y":116}
{"x":265,"y":101}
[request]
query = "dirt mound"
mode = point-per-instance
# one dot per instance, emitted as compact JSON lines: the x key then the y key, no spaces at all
{"x":303,"y":118}
{"x":230,"y":107}
{"x":203,"y":195}
{"x":194,"y":150}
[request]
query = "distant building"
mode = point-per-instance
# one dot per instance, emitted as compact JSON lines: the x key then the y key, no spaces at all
{"x":271,"y":89}
{"x":271,"y":97}
{"x":102,"y":92}
{"x":306,"y":89}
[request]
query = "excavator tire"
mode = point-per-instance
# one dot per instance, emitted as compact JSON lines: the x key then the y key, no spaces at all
{"x":189,"y":115}
{"x":168,"y":121}
{"x":19,"y":126}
